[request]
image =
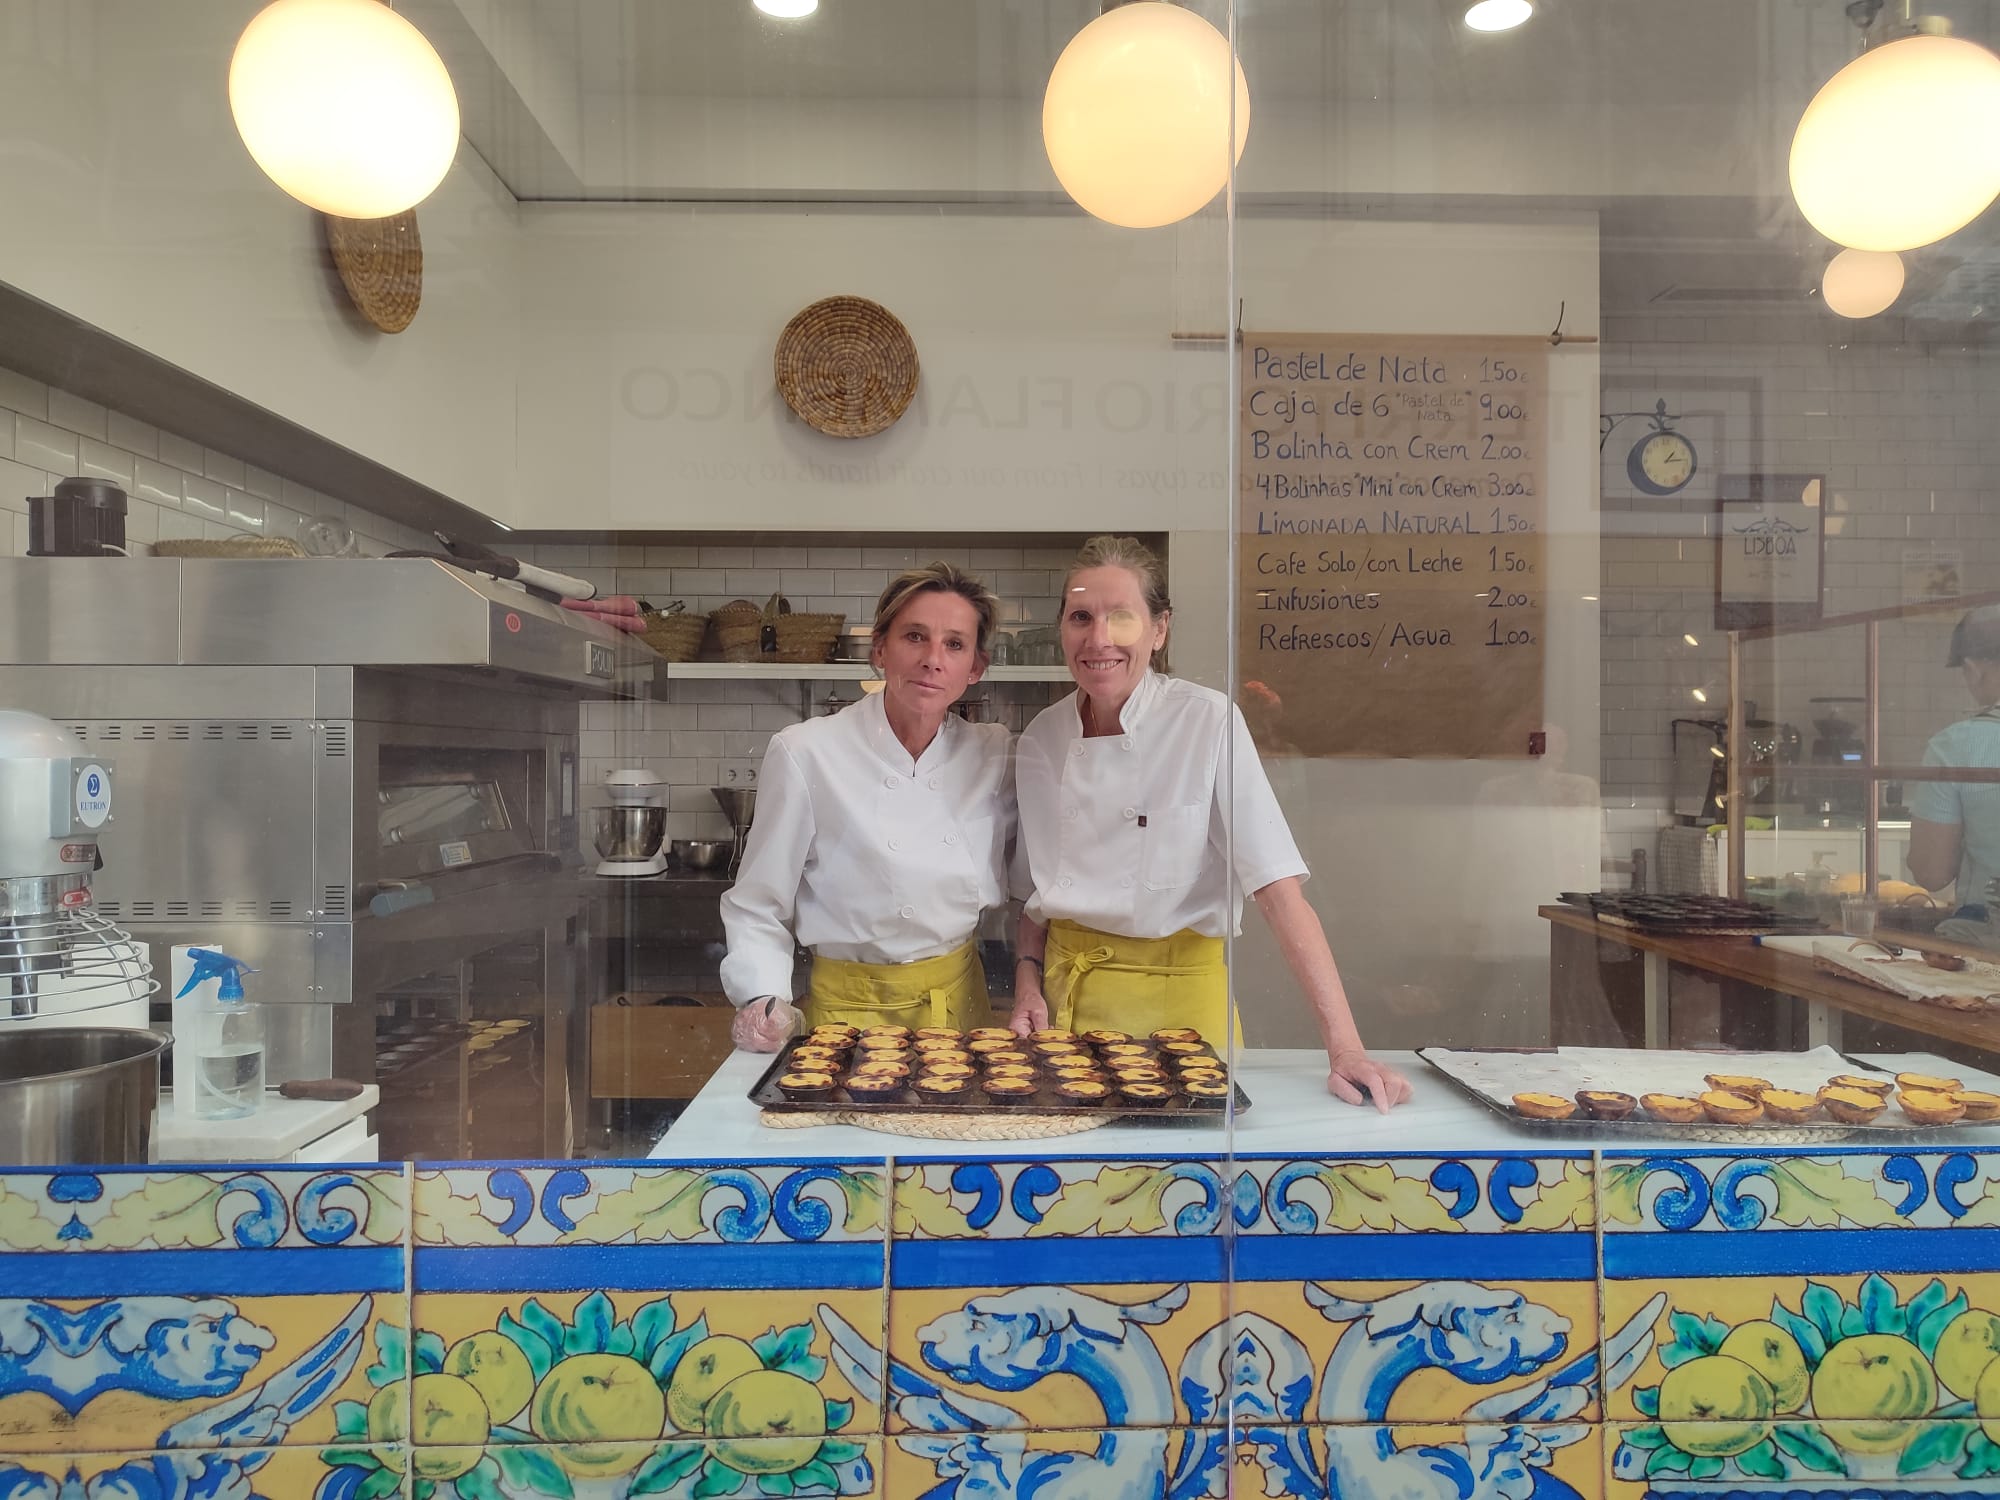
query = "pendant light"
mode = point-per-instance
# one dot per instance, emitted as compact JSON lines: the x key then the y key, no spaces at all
{"x":1137,"y":114}
{"x":344,"y":105}
{"x":1902,"y":146}
{"x":1861,"y":283}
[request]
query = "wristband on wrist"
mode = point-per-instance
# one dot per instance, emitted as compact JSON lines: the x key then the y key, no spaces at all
{"x":1025,"y":959}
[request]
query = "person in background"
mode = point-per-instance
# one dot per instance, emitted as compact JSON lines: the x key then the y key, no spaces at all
{"x":1141,"y":795}
{"x":882,"y":833}
{"x":1955,"y":825}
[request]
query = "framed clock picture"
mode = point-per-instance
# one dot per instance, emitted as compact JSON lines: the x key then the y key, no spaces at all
{"x":1770,"y":558}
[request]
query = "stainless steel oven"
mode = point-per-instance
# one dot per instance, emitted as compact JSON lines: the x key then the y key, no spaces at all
{"x":360,"y":776}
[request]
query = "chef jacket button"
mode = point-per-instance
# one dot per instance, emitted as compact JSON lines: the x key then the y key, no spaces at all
{"x":936,"y":782}
{"x":1125,"y":880}
{"x":951,"y":838}
{"x":908,"y":912}
{"x":1065,"y":882}
{"x":889,"y":781}
{"x":1131,"y":812}
{"x":1127,"y":742}
{"x":895,"y":843}
{"x":1070,"y":813}
{"x":1076,"y":749}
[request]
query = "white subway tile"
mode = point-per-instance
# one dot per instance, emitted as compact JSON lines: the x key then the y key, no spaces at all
{"x":178,"y":525}
{"x":693,"y":583}
{"x":226,"y":467}
{"x":180,"y":452}
{"x":142,"y":523}
{"x":721,"y":716}
{"x":156,"y":482}
{"x":17,"y":535}
{"x":19,"y":393}
{"x":204,"y":498}
{"x":672,"y":557}
{"x":42,"y":446}
{"x":18,"y":484}
{"x":6,"y":434}
{"x":283,"y":521}
{"x":798,"y":581}
{"x":134,"y":436}
{"x":833,"y":557}
{"x":74,"y":414}
{"x":263,"y":482}
{"x":728,"y":557}
{"x":246,"y":511}
{"x":97,"y":460}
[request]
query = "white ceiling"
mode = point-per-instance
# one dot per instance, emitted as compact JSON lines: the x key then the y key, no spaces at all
{"x":1670,"y":117}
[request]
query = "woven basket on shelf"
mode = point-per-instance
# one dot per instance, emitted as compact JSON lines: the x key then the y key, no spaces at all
{"x":381,"y":263}
{"x":738,"y":631}
{"x":808,"y":637}
{"x":847,"y":366}
{"x":677,"y":635}
{"x":229,"y":546}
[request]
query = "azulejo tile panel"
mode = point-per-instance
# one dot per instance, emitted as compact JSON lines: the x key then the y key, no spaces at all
{"x":1734,"y":1460}
{"x":673,"y":1469}
{"x":291,"y":1473}
{"x":181,"y":1310}
{"x":1310,"y":1463}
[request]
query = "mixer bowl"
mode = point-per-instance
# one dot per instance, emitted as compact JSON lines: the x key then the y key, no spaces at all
{"x":628,"y":833}
{"x":78,"y":1095}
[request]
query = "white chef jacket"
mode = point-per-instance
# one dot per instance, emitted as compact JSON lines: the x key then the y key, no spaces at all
{"x":864,"y":856}
{"x":1126,"y":832}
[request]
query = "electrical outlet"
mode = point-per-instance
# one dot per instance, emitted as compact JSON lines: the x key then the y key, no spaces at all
{"x":736,"y":773}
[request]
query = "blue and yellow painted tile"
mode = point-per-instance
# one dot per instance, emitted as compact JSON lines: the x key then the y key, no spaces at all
{"x":1432,"y":1462}
{"x":675,"y":1468}
{"x":1748,"y":1456}
{"x":186,"y":1474}
{"x":182,"y":1310}
{"x":633,"y":1304}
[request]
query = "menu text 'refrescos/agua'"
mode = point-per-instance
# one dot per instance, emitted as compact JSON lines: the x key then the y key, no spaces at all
{"x":1391,"y":524}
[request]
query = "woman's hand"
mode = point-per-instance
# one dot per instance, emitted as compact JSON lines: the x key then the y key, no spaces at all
{"x":1351,"y":1069}
{"x":764,"y":1025}
{"x":1031,"y":1011}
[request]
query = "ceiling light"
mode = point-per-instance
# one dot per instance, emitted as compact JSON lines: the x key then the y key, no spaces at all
{"x":1498,"y":15}
{"x":344,"y":105}
{"x":1138,"y":112}
{"x":1699,"y":695}
{"x":1690,"y":639}
{"x":1861,"y":283}
{"x":787,"y":10}
{"x":1899,"y":148}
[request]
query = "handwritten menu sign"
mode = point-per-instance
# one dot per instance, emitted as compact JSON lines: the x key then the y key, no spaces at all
{"x":1391,"y":596}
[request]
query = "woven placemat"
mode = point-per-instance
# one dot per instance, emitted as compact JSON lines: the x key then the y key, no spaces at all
{"x":942,"y":1127}
{"x":381,"y":263}
{"x":847,"y":366}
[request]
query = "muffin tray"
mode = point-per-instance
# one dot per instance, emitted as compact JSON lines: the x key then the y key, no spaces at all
{"x":1693,"y":915}
{"x":1044,"y":1101}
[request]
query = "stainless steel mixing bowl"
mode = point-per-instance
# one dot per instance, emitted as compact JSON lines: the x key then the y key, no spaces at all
{"x":73,"y":1096}
{"x":628,"y":833}
{"x":703,"y":854}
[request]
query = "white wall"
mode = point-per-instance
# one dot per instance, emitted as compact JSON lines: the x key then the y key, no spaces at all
{"x":132,"y":205}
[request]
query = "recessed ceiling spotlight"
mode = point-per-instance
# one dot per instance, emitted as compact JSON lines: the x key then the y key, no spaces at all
{"x":787,"y":10}
{"x":1498,"y":15}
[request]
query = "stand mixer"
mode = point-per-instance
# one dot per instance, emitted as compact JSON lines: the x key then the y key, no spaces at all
{"x":630,"y":835}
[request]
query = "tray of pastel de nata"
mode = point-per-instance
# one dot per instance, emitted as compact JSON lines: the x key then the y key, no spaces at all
{"x":1168,"y":1074}
{"x":1728,"y":1098}
{"x":1670,"y":914}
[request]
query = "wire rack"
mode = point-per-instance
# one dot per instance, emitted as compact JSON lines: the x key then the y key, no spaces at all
{"x":69,"y":961}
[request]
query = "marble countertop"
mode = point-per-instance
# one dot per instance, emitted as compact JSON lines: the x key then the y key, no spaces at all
{"x":1290,"y":1113}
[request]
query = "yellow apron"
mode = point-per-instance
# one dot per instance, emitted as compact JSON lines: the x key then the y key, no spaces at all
{"x":949,"y":990}
{"x":1098,"y":980}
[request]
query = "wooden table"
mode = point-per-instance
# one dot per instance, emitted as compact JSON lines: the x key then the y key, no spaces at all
{"x":1826,"y":996}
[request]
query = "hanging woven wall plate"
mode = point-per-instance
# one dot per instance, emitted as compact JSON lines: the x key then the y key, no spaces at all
{"x":847,"y":366}
{"x":381,"y":263}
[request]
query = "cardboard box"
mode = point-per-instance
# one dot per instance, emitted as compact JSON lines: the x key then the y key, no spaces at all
{"x":643,"y":1049}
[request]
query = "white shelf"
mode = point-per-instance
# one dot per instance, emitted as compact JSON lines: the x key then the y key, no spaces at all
{"x":832,"y":671}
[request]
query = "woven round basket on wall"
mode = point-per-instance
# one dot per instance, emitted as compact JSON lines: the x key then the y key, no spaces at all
{"x":381,"y":263}
{"x":847,"y":366}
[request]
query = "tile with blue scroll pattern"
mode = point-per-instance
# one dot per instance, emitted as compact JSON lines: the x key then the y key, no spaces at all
{"x":225,"y":1473}
{"x":675,"y":1468}
{"x":181,"y":1309}
{"x":1560,"y":1462}
{"x":1753,"y":1457}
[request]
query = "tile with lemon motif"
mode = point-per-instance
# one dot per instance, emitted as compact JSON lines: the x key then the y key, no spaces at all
{"x":523,"y":1388}
{"x":1742,"y":1457}
{"x":714,"y":1204}
{"x":192,"y":1310}
{"x":185,"y":1475}
{"x":1306,"y":1462}
{"x":1790,"y":1377}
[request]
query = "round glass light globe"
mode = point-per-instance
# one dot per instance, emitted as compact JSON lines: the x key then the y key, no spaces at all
{"x":1902,"y":146}
{"x":1137,"y":114}
{"x":1498,"y":15}
{"x":344,"y":105}
{"x":1861,"y":283}
{"x":787,"y":10}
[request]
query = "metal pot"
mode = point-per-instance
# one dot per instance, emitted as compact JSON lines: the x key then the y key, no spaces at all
{"x":628,"y":833}
{"x":78,"y":1095}
{"x":703,"y":854}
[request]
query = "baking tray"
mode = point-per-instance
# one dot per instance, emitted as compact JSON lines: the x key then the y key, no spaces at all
{"x":766,"y":1094}
{"x":1688,"y":914}
{"x":1889,"y":1125}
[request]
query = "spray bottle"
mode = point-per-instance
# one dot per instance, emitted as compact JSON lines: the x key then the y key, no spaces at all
{"x":218,"y":1037}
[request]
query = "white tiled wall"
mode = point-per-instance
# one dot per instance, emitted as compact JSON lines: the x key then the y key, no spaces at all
{"x":707,"y":729}
{"x":174,"y":487}
{"x":1907,"y":436}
